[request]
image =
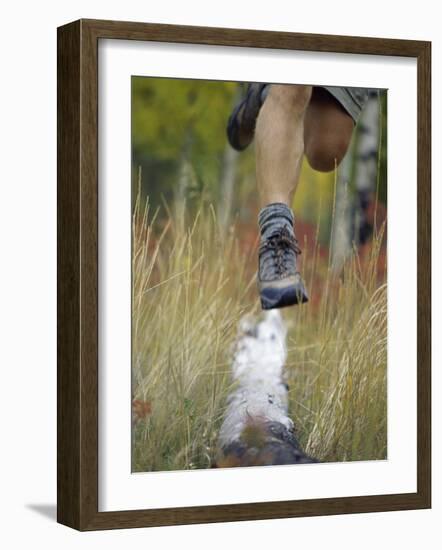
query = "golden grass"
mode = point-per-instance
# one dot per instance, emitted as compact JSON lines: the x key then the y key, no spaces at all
{"x":190,"y":288}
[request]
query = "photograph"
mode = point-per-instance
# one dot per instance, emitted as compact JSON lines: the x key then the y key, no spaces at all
{"x":259,"y":274}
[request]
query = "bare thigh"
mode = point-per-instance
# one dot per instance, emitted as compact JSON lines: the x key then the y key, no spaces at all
{"x":327,"y":131}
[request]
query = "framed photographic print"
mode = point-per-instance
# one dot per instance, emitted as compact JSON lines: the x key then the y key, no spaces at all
{"x":243,"y":274}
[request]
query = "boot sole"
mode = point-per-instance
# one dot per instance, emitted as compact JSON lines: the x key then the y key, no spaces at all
{"x":280,"y":295}
{"x":252,"y":103}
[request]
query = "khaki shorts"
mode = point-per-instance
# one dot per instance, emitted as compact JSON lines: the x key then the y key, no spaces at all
{"x":352,"y":99}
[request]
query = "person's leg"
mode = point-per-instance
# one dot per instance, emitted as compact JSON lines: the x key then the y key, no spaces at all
{"x":293,"y":120}
{"x":279,"y":136}
{"x":279,"y":141}
{"x":328,"y":128}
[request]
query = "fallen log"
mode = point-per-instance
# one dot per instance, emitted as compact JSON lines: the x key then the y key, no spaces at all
{"x":257,"y":430}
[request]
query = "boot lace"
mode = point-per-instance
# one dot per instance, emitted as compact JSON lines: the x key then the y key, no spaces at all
{"x":281,"y":245}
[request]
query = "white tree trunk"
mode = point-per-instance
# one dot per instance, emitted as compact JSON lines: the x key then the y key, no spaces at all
{"x":227,"y":184}
{"x":228,"y":176}
{"x":341,"y":240}
{"x":257,"y":429}
{"x":183,"y":181}
{"x":356,"y":182}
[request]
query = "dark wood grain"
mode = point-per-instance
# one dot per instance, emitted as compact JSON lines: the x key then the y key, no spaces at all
{"x":424,"y":273}
{"x":77,"y":225}
{"x":68,"y":277}
{"x":77,"y":276}
{"x":253,"y":38}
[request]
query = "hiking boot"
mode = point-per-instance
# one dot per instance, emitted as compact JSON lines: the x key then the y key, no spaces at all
{"x":241,"y":124}
{"x":279,"y":282}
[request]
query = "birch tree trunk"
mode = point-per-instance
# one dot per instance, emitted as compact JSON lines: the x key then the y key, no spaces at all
{"x":228,"y":177}
{"x":341,"y":240}
{"x":356,"y":184}
{"x":257,"y":429}
{"x":366,"y":176}
{"x":184,"y":176}
{"x":227,"y":184}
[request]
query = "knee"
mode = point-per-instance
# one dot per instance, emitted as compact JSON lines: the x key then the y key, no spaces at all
{"x":291,"y":97}
{"x":325,"y":154}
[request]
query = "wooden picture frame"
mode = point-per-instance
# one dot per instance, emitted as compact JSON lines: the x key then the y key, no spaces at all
{"x":77,"y":462}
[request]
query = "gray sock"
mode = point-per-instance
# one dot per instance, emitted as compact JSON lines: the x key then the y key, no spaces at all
{"x":273,"y":217}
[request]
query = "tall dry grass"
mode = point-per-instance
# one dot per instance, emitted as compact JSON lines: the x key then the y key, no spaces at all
{"x":191,"y":287}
